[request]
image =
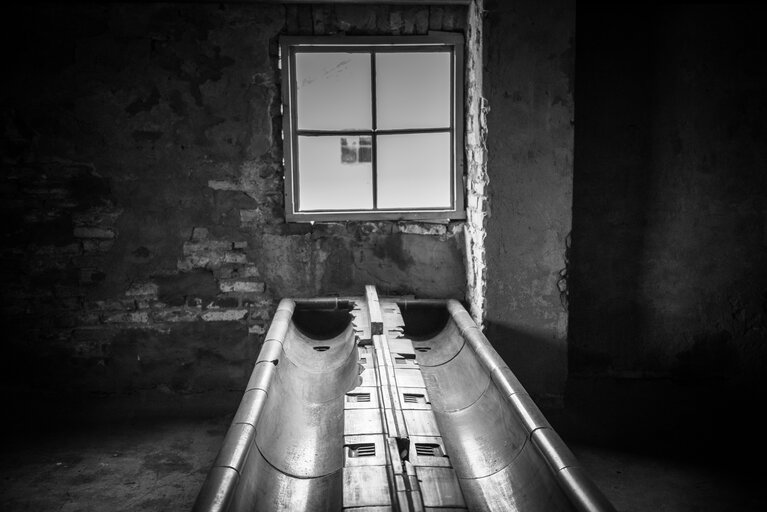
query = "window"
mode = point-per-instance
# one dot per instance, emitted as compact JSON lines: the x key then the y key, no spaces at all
{"x":373,"y":127}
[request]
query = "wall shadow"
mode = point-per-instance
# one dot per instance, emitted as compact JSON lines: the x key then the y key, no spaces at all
{"x":539,"y":362}
{"x":611,"y":185}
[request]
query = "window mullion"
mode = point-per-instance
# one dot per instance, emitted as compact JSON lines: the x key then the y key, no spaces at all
{"x":374,"y":148}
{"x":453,"y":135}
{"x":415,"y":150}
{"x":296,"y":181}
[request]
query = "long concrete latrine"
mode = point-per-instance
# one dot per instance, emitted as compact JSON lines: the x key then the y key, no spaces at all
{"x":371,"y":404}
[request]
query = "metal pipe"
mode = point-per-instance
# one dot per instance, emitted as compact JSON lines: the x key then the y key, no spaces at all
{"x":310,"y":402}
{"x":219,"y":487}
{"x":582,"y":494}
{"x":419,"y":303}
{"x":331,"y":303}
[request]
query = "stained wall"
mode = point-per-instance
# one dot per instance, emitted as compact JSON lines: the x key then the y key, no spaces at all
{"x":529,"y":59}
{"x":144,"y":246}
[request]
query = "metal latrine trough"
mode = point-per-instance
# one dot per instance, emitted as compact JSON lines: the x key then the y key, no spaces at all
{"x":371,"y":404}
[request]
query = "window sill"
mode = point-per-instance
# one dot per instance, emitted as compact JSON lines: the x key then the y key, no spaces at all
{"x":442,"y":217}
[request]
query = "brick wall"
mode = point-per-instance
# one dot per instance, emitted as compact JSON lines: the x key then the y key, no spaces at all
{"x":145,"y":247}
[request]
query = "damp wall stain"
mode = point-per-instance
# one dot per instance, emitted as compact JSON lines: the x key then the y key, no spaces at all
{"x":528,"y":81}
{"x":146,"y":248}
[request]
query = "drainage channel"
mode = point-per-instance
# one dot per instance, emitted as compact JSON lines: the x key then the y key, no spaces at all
{"x":368,"y":404}
{"x":394,"y":453}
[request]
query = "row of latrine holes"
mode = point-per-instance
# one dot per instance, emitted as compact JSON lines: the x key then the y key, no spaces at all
{"x":364,"y":360}
{"x":369,"y":450}
{"x":414,"y":398}
{"x":428,"y":450}
{"x":400,"y":360}
{"x":410,"y":398}
{"x":361,"y":450}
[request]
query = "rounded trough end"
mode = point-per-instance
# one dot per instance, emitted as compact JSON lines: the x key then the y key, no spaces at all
{"x":285,"y":492}
{"x":483,"y":437}
{"x":320,"y":323}
{"x":320,"y":356}
{"x":300,"y":432}
{"x":525,"y":484}
{"x":441,"y":348}
{"x":423,"y":322}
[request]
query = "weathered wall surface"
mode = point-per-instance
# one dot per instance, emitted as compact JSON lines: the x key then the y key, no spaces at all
{"x":145,"y":248}
{"x":668,"y":287}
{"x":528,"y":81}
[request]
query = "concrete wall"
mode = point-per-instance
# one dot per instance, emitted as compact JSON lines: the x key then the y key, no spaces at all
{"x":668,"y":282}
{"x":145,"y":247}
{"x":528,"y":82}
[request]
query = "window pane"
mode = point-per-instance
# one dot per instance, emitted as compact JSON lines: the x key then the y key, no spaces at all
{"x":335,"y":173}
{"x":414,"y":170}
{"x":333,"y":91}
{"x":413,"y":90}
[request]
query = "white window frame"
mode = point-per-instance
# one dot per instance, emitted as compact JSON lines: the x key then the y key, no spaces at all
{"x":441,"y":42}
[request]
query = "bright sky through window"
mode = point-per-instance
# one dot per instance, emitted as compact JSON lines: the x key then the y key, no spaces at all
{"x":371,"y":131}
{"x":333,"y":91}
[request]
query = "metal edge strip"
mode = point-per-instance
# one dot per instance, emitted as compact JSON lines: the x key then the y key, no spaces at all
{"x":223,"y":477}
{"x":582,"y":492}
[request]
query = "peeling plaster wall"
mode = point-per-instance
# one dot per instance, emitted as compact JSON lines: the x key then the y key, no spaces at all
{"x":145,"y":247}
{"x":528,"y":82}
{"x":477,"y":205}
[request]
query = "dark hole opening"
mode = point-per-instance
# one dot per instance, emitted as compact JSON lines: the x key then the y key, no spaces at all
{"x":361,"y":450}
{"x":423,"y":322}
{"x":358,"y":397}
{"x":321,"y":348}
{"x":403,"y":445}
{"x":428,"y":450}
{"x":414,"y":398}
{"x":321,"y":324}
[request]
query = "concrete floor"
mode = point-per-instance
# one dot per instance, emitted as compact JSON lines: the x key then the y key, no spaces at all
{"x":160,"y":465}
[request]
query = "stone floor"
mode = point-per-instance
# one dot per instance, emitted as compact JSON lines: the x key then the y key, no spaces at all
{"x":160,"y":465}
{"x":143,"y":466}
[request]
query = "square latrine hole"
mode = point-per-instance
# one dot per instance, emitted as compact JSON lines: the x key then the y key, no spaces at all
{"x":429,"y":450}
{"x":413,"y":398}
{"x":360,"y":450}
{"x":358,"y":397}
